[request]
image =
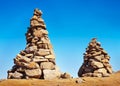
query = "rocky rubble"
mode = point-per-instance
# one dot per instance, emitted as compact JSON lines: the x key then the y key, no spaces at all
{"x":38,"y":59}
{"x":96,"y":61}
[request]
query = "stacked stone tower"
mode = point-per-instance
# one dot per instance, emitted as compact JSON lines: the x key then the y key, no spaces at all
{"x":37,"y":60}
{"x":96,"y":61}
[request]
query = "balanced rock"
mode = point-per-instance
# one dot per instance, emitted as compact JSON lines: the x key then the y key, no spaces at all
{"x":34,"y":73}
{"x":96,"y":61}
{"x":15,"y":75}
{"x":38,"y":59}
{"x":51,"y":74}
{"x":47,"y":65}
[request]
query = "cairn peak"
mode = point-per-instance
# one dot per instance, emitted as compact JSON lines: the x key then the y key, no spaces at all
{"x":36,"y":20}
{"x":37,"y":12}
{"x":96,"y":61}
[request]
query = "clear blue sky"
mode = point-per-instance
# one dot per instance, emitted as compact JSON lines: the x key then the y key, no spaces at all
{"x":71,"y":25}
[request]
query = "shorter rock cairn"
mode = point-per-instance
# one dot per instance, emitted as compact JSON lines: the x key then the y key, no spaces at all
{"x":38,"y":59}
{"x":96,"y":61}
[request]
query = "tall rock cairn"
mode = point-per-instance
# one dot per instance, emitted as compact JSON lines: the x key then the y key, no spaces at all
{"x":96,"y":61}
{"x":37,"y":60}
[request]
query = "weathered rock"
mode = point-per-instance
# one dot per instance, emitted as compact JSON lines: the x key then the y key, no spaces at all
{"x":38,"y":59}
{"x":21,"y":58}
{"x":15,"y":75}
{"x":21,"y":69}
{"x":47,"y":65}
{"x":50,"y":56}
{"x":31,"y":49}
{"x":45,"y":40}
{"x":24,"y":59}
{"x":107,"y":65}
{"x":105,"y":61}
{"x":31,"y":65}
{"x":96,"y":64}
{"x":51,"y":74}
{"x":37,"y":33}
{"x":99,"y":58}
{"x":42,"y":46}
{"x":43,"y":52}
{"x":34,"y":73}
{"x":45,"y":32}
{"x":97,"y":53}
{"x":35,"y":40}
{"x":88,"y":69}
{"x":37,"y":20}
{"x":102,"y":71}
{"x":18,"y":63}
{"x":96,"y":61}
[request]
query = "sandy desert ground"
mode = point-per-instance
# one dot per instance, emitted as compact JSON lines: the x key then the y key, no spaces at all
{"x":113,"y":80}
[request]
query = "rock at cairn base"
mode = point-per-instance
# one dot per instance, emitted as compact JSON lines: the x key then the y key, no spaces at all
{"x":37,"y":60}
{"x":96,"y":61}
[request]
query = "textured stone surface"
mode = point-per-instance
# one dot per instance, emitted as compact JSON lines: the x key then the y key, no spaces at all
{"x":101,"y":70}
{"x":24,"y":59}
{"x":40,"y":60}
{"x":96,"y":64}
{"x":47,"y":65}
{"x":38,"y":54}
{"x":50,"y":56}
{"x":96,"y":61}
{"x":43,"y":52}
{"x":31,"y":65}
{"x":51,"y":74}
{"x":15,"y":75}
{"x":34,"y":73}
